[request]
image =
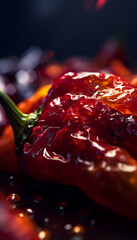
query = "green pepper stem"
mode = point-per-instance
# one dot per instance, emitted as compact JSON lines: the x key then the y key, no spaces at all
{"x":21,"y":123}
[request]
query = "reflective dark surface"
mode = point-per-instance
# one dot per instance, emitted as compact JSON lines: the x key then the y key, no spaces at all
{"x":64,"y":212}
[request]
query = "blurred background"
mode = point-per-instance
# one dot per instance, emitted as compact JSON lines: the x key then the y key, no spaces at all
{"x":67,"y":27}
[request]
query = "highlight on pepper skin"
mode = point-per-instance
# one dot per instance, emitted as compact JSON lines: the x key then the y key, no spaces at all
{"x":83,"y":137}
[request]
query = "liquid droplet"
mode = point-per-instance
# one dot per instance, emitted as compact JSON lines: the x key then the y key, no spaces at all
{"x":61,"y":207}
{"x":13,"y":198}
{"x":29,"y":211}
{"x":67,"y":226}
{"x":11,"y":180}
{"x":78,"y":229}
{"x":44,"y":235}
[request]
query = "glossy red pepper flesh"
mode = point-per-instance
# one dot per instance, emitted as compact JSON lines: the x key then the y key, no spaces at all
{"x":86,"y":136}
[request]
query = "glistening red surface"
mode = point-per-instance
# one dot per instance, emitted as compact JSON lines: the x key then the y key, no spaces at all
{"x":84,"y":138}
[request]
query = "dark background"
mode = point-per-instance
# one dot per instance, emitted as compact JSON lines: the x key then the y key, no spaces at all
{"x":65,"y":27}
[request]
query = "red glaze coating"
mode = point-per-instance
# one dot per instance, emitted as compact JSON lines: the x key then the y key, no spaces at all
{"x":110,"y":89}
{"x":86,"y":137}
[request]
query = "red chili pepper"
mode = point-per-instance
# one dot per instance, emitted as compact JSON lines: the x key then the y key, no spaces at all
{"x":7,"y":145}
{"x":86,"y":136}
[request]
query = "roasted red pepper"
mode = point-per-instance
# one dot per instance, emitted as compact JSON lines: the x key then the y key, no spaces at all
{"x":86,"y":136}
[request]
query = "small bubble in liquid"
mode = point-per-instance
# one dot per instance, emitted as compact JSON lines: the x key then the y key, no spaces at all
{"x":61,"y":207}
{"x":11,"y":180}
{"x":44,"y":235}
{"x":46,"y":220}
{"x":13,"y":198}
{"x":29,"y":211}
{"x":78,"y":229}
{"x":21,"y":214}
{"x":68,"y":227}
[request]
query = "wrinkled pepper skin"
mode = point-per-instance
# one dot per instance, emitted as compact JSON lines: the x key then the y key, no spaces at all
{"x":8,"y":160}
{"x":110,"y":89}
{"x":86,"y":136}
